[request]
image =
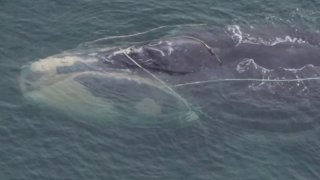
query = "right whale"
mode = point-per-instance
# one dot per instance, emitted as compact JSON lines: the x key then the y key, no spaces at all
{"x":261,"y":80}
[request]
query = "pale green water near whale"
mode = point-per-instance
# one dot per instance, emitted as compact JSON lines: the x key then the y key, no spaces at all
{"x":40,"y":143}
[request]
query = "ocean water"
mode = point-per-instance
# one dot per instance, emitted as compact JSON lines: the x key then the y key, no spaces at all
{"x":41,"y":143}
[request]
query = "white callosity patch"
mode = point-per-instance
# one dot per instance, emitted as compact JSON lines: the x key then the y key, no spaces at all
{"x":128,"y":50}
{"x":236,"y":33}
{"x":279,"y":79}
{"x":241,"y":37}
{"x":163,"y":47}
{"x":246,"y":65}
{"x":170,"y":47}
{"x":158,"y":50}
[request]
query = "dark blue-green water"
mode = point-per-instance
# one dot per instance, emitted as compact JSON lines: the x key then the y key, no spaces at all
{"x":40,"y":143}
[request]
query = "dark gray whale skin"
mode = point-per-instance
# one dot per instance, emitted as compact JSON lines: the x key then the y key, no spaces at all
{"x":191,"y":61}
{"x":191,"y":56}
{"x":183,"y":60}
{"x":286,"y":55}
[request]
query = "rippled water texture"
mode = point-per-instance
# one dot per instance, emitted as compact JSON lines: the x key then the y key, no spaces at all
{"x":245,"y":136}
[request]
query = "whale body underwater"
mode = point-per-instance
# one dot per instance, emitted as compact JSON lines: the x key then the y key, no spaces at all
{"x":251,"y":78}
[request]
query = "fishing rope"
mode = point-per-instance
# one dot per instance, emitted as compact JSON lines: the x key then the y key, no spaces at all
{"x":159,"y":80}
{"x":255,"y":80}
{"x":143,"y":32}
{"x":210,"y":49}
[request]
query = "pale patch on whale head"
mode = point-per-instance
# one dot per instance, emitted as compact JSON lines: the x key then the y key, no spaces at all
{"x":50,"y":63}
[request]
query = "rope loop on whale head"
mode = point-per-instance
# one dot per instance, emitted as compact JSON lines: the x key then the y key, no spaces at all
{"x":184,"y":101}
{"x":210,"y":49}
